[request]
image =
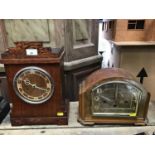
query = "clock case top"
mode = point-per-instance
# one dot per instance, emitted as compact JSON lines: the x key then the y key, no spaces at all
{"x":51,"y":60}
{"x":104,"y":76}
{"x":17,"y":55}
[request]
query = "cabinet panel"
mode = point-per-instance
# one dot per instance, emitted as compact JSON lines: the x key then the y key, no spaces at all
{"x":3,"y":41}
{"x":81,"y":31}
{"x":81,"y":38}
{"x":27,"y":30}
{"x":48,"y":31}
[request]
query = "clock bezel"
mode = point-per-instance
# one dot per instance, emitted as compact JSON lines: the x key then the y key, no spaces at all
{"x":43,"y":72}
{"x":125,"y":81}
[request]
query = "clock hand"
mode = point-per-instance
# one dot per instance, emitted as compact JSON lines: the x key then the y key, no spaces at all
{"x":116,"y":95}
{"x":27,"y":82}
{"x":107,"y":99}
{"x":40,"y":88}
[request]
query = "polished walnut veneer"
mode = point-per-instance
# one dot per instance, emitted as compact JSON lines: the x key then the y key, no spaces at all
{"x":52,"y":111}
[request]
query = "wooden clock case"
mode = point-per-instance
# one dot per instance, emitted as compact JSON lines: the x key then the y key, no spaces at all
{"x":52,"y":111}
{"x":100,"y":77}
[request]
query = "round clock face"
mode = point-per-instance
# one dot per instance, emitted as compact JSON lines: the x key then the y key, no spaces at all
{"x":33,"y":85}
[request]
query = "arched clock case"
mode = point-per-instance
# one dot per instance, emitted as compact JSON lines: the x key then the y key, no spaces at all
{"x":112,"y":96}
{"x":36,"y":87}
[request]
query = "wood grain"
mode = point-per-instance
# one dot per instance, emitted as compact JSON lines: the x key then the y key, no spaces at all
{"x":22,"y":112}
{"x":101,"y":76}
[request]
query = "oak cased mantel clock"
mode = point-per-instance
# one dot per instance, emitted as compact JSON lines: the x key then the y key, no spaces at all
{"x":112,"y":96}
{"x":36,"y":87}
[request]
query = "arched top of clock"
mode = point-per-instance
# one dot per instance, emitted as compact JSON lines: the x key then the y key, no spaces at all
{"x":103,"y":75}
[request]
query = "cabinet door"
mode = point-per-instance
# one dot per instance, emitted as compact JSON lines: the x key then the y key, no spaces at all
{"x":81,"y":38}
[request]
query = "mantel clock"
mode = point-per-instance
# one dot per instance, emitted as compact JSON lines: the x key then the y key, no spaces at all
{"x":35,"y":81}
{"x":112,"y":96}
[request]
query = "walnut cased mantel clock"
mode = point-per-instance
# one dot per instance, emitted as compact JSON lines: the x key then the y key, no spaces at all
{"x":35,"y":81}
{"x":112,"y":96}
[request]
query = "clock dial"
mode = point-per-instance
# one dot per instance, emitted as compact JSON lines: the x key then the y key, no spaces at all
{"x":115,"y":98}
{"x":33,"y":85}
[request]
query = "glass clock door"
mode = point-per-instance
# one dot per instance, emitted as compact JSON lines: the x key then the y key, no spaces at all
{"x":115,"y":99}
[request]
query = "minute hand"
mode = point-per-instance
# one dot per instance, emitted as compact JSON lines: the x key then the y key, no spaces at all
{"x":107,"y":99}
{"x":40,"y":88}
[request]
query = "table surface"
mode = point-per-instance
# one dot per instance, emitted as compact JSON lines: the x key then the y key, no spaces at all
{"x":75,"y":128}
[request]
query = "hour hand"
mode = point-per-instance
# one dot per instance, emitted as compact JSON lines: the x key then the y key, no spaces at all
{"x":27,"y":82}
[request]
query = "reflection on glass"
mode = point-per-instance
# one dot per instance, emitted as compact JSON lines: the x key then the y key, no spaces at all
{"x":115,"y":99}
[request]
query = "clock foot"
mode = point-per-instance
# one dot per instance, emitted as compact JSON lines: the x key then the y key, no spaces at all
{"x":85,"y":122}
{"x":140,"y":124}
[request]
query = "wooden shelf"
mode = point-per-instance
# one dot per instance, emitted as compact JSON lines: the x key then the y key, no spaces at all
{"x":76,"y":128}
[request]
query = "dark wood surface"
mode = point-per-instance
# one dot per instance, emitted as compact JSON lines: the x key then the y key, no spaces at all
{"x":17,"y":55}
{"x":43,"y":119}
{"x":74,"y":77}
{"x":98,"y":77}
{"x":4,"y":86}
{"x":14,"y":60}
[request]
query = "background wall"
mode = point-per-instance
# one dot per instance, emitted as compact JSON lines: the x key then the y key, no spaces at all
{"x":135,"y":58}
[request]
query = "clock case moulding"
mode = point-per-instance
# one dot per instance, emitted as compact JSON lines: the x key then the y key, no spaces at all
{"x":55,"y":109}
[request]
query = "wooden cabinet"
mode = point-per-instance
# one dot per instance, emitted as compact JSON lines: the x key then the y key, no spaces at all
{"x":81,"y":38}
{"x":81,"y":53}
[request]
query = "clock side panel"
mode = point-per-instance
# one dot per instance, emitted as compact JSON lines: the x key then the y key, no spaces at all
{"x":47,"y":109}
